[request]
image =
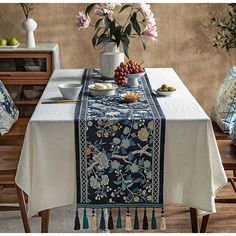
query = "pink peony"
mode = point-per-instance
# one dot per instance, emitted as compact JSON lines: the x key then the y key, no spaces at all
{"x":105,"y":8}
{"x":150,"y":20}
{"x":82,"y":20}
{"x":151,"y":33}
{"x":146,"y":8}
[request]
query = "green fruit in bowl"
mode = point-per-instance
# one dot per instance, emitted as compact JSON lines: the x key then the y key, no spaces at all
{"x":3,"y":42}
{"x":12,"y":41}
{"x":164,"y":87}
{"x":171,"y":89}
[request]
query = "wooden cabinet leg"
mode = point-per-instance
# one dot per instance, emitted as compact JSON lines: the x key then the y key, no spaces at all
{"x":194,"y":220}
{"x":45,"y":220}
{"x":22,"y":203}
{"x":204,"y":223}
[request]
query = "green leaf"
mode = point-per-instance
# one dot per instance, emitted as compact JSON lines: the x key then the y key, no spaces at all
{"x":135,"y":23}
{"x":128,"y":29}
{"x":112,"y":28}
{"x":125,"y":43}
{"x":89,"y":8}
{"x":107,"y":22}
{"x":117,"y":34}
{"x":95,"y":37}
{"x":98,"y":23}
{"x":124,"y":7}
{"x":144,"y":45}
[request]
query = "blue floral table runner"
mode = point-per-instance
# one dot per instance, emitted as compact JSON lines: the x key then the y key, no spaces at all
{"x":119,"y":150}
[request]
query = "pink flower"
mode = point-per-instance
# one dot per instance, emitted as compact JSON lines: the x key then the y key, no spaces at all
{"x":82,"y":20}
{"x":150,"y":20}
{"x":151,"y":33}
{"x":102,"y":9}
{"x":146,"y":8}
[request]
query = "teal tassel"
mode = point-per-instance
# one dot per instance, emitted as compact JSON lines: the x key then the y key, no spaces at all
{"x":110,"y":220}
{"x":145,"y":220}
{"x":85,"y":220}
{"x":77,"y":223}
{"x":136,"y":220}
{"x":154,"y":221}
{"x":102,"y":221}
{"x":119,"y":220}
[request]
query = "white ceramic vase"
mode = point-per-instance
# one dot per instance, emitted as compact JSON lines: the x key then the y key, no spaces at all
{"x":29,"y":25}
{"x":110,"y":58}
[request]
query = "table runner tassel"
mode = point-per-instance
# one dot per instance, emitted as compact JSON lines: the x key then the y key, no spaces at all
{"x":102,"y":221}
{"x":163,"y":221}
{"x":128,"y":225}
{"x":136,"y":220}
{"x":119,"y":220}
{"x":94,"y":221}
{"x":77,"y":223}
{"x":145,"y":219}
{"x":85,"y":220}
{"x":154,"y":220}
{"x":110,"y":220}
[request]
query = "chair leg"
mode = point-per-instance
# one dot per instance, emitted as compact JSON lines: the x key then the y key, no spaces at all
{"x":194,"y":220}
{"x":45,"y":220}
{"x":21,"y":199}
{"x":204,"y":223}
{"x":234,"y":172}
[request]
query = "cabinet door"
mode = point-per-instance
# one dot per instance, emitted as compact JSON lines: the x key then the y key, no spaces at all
{"x":21,"y":67}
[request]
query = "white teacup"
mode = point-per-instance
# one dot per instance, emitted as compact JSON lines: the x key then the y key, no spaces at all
{"x":70,"y":90}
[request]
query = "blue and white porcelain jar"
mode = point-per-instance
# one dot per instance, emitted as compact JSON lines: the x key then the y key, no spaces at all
{"x":233,"y":134}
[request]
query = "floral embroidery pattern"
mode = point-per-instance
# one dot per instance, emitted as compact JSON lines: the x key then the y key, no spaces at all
{"x":119,"y":150}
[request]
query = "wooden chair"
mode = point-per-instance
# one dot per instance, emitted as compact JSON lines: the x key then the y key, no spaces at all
{"x":10,"y":147}
{"x":218,"y":133}
{"x":9,"y":156}
{"x":16,"y":135}
{"x":228,"y":154}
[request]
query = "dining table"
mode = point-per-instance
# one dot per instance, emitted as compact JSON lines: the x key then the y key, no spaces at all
{"x":193,"y":171}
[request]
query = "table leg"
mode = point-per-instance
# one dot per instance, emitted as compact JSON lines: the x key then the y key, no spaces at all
{"x":45,"y":220}
{"x":22,"y":203}
{"x":204,"y":223}
{"x":194,"y":220}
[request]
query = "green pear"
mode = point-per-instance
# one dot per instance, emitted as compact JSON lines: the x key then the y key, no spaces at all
{"x":3,"y":42}
{"x":171,"y":89}
{"x":13,"y":41}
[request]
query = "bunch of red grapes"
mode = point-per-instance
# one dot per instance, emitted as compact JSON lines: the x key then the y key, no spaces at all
{"x":130,"y":67}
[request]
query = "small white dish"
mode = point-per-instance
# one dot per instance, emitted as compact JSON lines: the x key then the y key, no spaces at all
{"x":102,"y":92}
{"x":70,"y":90}
{"x":163,"y":93}
{"x":10,"y":47}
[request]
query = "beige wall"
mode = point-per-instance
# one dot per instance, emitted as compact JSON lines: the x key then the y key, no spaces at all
{"x":184,"y":42}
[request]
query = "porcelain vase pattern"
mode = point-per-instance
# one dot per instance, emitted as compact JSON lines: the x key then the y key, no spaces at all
{"x":29,"y":25}
{"x":110,"y":58}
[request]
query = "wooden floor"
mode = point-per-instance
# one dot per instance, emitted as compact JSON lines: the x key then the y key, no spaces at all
{"x":177,"y":217}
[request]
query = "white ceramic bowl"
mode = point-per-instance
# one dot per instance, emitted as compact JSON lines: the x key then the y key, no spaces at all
{"x":135,"y":76}
{"x":102,"y":92}
{"x":70,"y":90}
{"x":164,"y":93}
{"x":30,"y":93}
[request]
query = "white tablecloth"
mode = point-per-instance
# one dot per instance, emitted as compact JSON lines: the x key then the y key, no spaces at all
{"x":193,"y":169}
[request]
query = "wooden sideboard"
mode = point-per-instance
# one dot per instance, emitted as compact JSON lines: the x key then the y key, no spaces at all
{"x":25,"y":73}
